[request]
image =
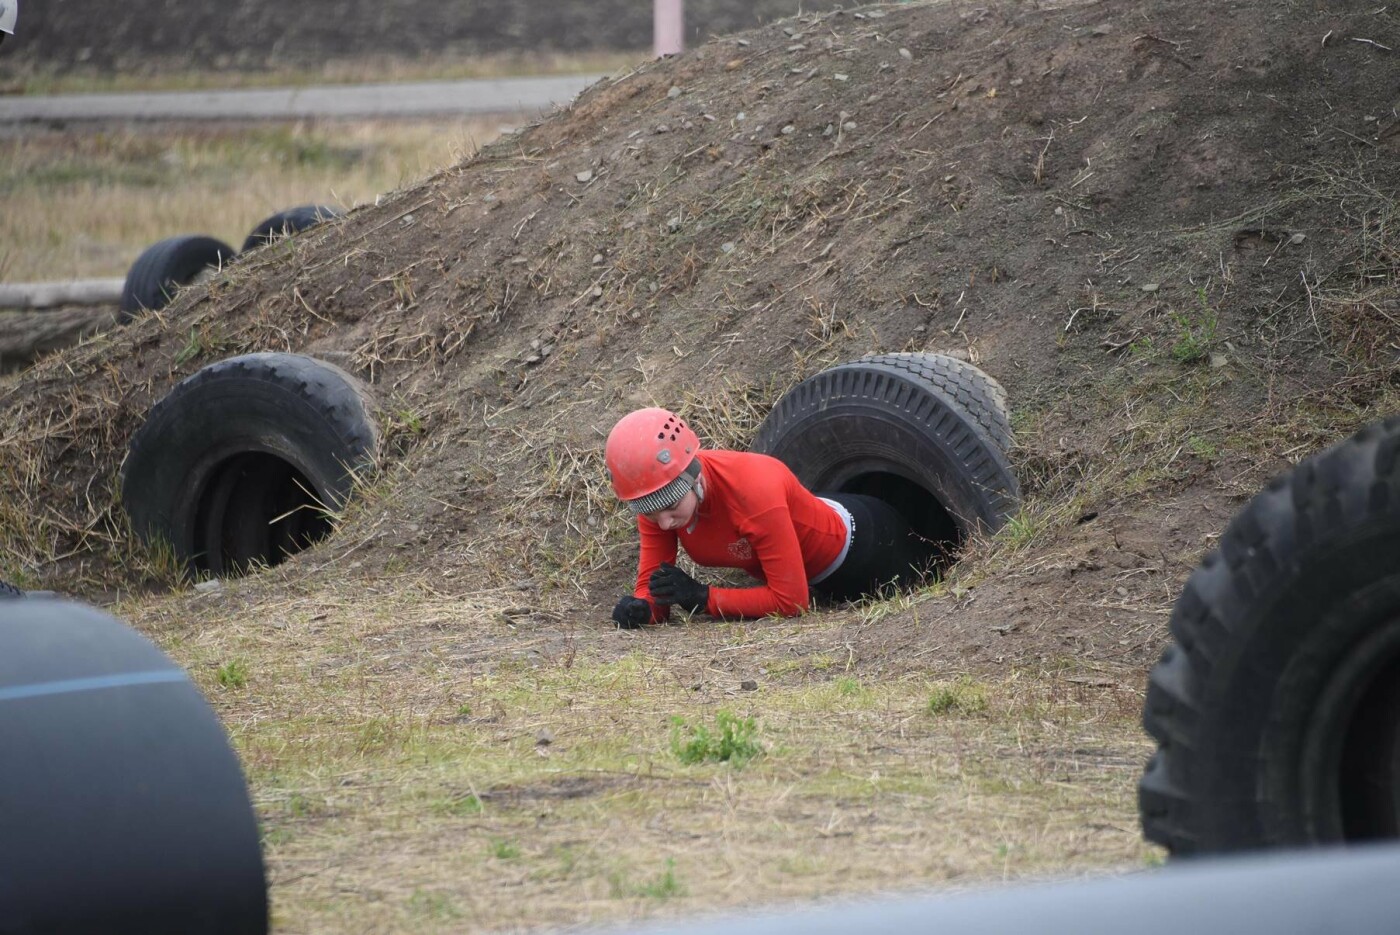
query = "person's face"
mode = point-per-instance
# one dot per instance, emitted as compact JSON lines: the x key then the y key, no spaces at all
{"x":677,"y":516}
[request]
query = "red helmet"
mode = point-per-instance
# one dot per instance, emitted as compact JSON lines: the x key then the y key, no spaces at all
{"x":651,"y":457}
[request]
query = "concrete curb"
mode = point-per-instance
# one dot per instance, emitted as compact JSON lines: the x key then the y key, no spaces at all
{"x":424,"y":98}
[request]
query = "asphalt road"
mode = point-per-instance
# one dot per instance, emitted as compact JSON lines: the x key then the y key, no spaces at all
{"x":417,"y":99}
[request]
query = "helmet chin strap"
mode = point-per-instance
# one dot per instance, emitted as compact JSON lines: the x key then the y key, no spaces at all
{"x":699,"y":489}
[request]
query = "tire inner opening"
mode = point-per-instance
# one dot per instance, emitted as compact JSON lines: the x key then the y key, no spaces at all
{"x":255,"y":511}
{"x":1369,"y":774}
{"x":942,"y":536}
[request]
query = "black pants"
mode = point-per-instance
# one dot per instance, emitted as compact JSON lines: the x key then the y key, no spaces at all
{"x":884,"y":549}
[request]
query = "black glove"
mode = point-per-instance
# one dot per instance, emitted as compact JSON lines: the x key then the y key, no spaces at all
{"x":670,"y":585}
{"x":631,"y":612}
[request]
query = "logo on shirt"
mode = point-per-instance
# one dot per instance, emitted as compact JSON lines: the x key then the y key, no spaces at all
{"x":742,"y":549}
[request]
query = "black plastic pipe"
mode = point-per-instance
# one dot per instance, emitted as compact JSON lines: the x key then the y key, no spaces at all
{"x":1316,"y":892}
{"x":123,"y":809}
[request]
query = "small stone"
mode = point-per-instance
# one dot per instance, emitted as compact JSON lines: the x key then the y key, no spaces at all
{"x":585,"y":176}
{"x":788,"y":130}
{"x":1218,"y":360}
{"x":597,"y":258}
{"x":840,"y":77}
{"x":674,"y":92}
{"x":212,"y":586}
{"x":727,"y":247}
{"x":1297,"y":239}
{"x":662,"y":128}
{"x":596,"y":292}
{"x":743,"y":43}
{"x":1150,"y":286}
{"x":734,"y":64}
{"x":1017,"y":82}
{"x":673,"y":224}
{"x":1103,"y":29}
{"x":906,"y":55}
{"x":741,"y":116}
{"x":1059,"y":212}
{"x":848,"y":125}
{"x":544,"y":738}
{"x":799,"y":47}
{"x":1121,"y":591}
{"x":830,"y":129}
{"x":748,"y":685}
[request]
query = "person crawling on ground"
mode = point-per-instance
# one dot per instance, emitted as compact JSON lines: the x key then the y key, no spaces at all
{"x":736,"y":509}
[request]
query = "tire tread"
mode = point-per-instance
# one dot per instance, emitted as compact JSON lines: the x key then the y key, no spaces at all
{"x":1354,"y":482}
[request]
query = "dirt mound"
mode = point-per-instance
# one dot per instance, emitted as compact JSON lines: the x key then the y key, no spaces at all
{"x":1163,"y":226}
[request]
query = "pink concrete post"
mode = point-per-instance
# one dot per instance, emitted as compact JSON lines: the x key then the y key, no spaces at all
{"x":669,"y":27}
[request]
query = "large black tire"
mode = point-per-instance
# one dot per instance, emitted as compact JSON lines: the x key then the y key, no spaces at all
{"x":285,"y":223}
{"x":1277,"y":708}
{"x":124,"y":808}
{"x":924,"y":432}
{"x":166,"y":266}
{"x":244,"y":463}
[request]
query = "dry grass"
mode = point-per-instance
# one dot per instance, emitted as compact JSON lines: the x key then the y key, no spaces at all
{"x":87,"y":204}
{"x":429,"y":764}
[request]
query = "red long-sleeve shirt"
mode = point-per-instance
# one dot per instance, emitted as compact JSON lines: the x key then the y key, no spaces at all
{"x":757,"y":516}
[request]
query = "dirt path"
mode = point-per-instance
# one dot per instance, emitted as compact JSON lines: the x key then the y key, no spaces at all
{"x":426,"y":98}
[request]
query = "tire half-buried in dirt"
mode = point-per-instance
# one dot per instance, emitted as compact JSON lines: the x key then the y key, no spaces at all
{"x":165,"y":266}
{"x":924,"y":432}
{"x":244,"y":462}
{"x":286,"y":223}
{"x":1277,"y":708}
